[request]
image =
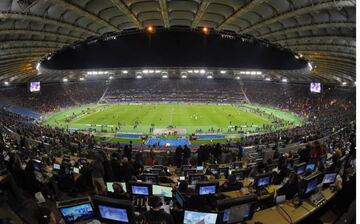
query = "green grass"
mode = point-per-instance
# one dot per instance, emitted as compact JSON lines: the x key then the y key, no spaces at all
{"x":182,"y":116}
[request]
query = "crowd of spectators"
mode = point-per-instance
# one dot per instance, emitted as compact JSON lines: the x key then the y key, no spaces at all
{"x":23,"y":140}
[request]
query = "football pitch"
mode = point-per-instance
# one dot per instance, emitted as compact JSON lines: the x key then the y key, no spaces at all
{"x":139,"y":118}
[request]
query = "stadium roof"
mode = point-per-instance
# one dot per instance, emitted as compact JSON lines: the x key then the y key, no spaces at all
{"x":321,"y":30}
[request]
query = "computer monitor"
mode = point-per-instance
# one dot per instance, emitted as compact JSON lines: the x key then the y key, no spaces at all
{"x":179,"y":198}
{"x":156,"y":171}
{"x":192,"y":217}
{"x":111,"y":210}
{"x":77,"y":212}
{"x":194,"y":178}
{"x":160,"y":167}
{"x":262,"y":180}
{"x":237,"y":210}
{"x":206,"y":188}
{"x":162,"y":191}
{"x":56,"y":166}
{"x":199,"y":168}
{"x":37,"y":165}
{"x":236,"y":165}
{"x":329,"y":178}
{"x":140,"y":189}
{"x":224,"y":171}
{"x":150,"y":177}
{"x":184,"y":167}
{"x":310,"y":166}
{"x":189,"y":171}
{"x":300,"y":168}
{"x":214,"y":170}
{"x":309,"y":185}
{"x":109,"y":186}
{"x":239,"y":174}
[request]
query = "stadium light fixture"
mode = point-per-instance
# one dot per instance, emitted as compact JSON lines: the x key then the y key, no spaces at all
{"x":344,"y":83}
{"x":253,"y":73}
{"x":82,"y":79}
{"x":125,"y":71}
{"x":267,"y":79}
{"x":183,"y":76}
{"x":111,"y":77}
{"x":190,"y":71}
{"x":222,"y":72}
{"x":6,"y":83}
{"x":247,"y":73}
{"x":164,"y":76}
{"x":284,"y":80}
{"x":65,"y":80}
{"x":202,"y":71}
{"x":145,"y":71}
{"x":157,"y":71}
{"x":237,"y":77}
{"x":205,"y":30}
{"x":297,"y":56}
{"x":242,"y":72}
{"x":258,"y":73}
{"x":139,"y":77}
{"x":209,"y":77}
{"x":150,"y":29}
{"x":196,"y":71}
{"x":151,"y":71}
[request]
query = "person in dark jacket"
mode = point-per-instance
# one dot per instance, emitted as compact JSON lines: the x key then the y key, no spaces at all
{"x":156,"y":214}
{"x":291,"y":187}
{"x":231,"y":184}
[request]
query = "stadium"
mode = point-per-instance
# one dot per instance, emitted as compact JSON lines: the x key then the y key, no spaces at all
{"x":160,"y":111}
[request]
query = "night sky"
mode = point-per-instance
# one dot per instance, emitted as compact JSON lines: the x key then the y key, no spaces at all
{"x":174,"y":49}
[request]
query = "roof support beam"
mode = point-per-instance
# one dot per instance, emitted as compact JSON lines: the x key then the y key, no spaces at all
{"x":240,"y":13}
{"x":39,"y":33}
{"x":82,"y":12}
{"x":45,"y":20}
{"x":200,"y":12}
{"x":326,"y":53}
{"x":323,"y":49}
{"x":300,"y":29}
{"x":20,"y":50}
{"x":33,"y":43}
{"x":313,"y":39}
{"x":164,"y":13}
{"x":125,"y":9}
{"x":297,"y":12}
{"x":331,"y":58}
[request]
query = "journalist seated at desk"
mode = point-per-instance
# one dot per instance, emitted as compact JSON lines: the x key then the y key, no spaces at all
{"x":291,"y":187}
{"x":156,"y":214}
{"x":231,"y":184}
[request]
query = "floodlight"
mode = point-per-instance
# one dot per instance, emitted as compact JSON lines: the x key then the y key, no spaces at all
{"x":65,"y":80}
{"x":190,"y":71}
{"x":344,"y":83}
{"x":237,"y":77}
{"x":242,"y":72}
{"x":145,"y":71}
{"x":150,"y":29}
{"x":164,"y":76}
{"x":258,"y":73}
{"x":6,"y":83}
{"x":209,"y":77}
{"x":111,"y":77}
{"x":81,"y":79}
{"x":247,"y":73}
{"x":157,"y":71}
{"x":205,"y":30}
{"x":284,"y":80}
{"x":125,"y":72}
{"x":267,"y":79}
{"x":253,"y":73}
{"x":151,"y":71}
{"x":223,"y":72}
{"x":196,"y":71}
{"x":183,"y":76}
{"x":139,"y":77}
{"x":202,"y":71}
